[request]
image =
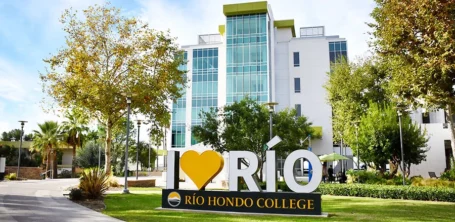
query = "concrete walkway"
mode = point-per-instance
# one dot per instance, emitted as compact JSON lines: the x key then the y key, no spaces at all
{"x":42,"y":200}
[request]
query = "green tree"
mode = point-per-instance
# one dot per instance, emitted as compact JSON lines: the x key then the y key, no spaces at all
{"x":87,"y":157}
{"x":244,"y":125}
{"x":16,"y":134}
{"x":74,"y":128}
{"x":143,"y":154}
{"x":107,"y":57}
{"x":379,"y":139}
{"x":416,"y":40}
{"x":46,"y":141}
{"x":350,"y":87}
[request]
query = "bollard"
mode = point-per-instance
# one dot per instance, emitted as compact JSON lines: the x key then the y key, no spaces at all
{"x":2,"y":168}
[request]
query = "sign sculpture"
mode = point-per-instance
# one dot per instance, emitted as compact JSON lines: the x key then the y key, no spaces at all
{"x":202,"y":168}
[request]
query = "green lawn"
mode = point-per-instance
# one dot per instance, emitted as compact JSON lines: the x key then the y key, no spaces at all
{"x":141,"y":208}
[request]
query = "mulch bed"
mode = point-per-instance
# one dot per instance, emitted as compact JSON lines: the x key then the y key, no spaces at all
{"x":96,"y":205}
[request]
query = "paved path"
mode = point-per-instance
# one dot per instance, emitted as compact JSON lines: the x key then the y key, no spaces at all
{"x":42,"y":200}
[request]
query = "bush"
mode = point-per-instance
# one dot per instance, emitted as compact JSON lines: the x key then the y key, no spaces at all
{"x":11,"y":176}
{"x":372,"y":177}
{"x":420,"y":182}
{"x":94,"y":183}
{"x":76,"y":194}
{"x":113,"y":182}
{"x":65,"y":174}
{"x":448,"y":175}
{"x":389,"y":192}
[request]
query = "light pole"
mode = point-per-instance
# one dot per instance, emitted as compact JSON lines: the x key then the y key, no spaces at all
{"x":128,"y":102}
{"x":20,"y":147}
{"x":148,"y":145}
{"x":137,"y":148}
{"x":401,"y":144}
{"x":357,"y":142}
{"x":271,"y":105}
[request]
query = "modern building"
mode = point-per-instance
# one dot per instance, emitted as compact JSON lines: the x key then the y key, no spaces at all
{"x":267,"y":59}
{"x":440,"y":152}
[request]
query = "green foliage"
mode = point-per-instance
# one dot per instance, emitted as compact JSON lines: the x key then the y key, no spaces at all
{"x":28,"y":158}
{"x":76,"y":194}
{"x":94,"y":182}
{"x":417,"y":47}
{"x":350,"y":88}
{"x":11,"y":176}
{"x":389,"y":192}
{"x":374,"y":177}
{"x":379,"y":138}
{"x":120,"y":56}
{"x":87,"y":157}
{"x":449,"y":174}
{"x":420,"y":182}
{"x":16,"y":135}
{"x":65,"y":174}
{"x":46,"y":141}
{"x":244,"y":125}
{"x":143,"y":154}
{"x":73,"y":129}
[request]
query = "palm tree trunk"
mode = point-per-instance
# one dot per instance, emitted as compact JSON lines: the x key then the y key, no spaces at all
{"x":48,"y":161}
{"x":73,"y":166}
{"x":54,"y":165}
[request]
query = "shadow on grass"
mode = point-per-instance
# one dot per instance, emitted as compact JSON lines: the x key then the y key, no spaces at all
{"x":142,"y":207}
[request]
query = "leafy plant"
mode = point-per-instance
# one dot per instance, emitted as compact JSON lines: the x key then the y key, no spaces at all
{"x":94,"y":183}
{"x":11,"y":176}
{"x":420,"y":182}
{"x":65,"y":174}
{"x":113,"y":182}
{"x":389,"y":191}
{"x":76,"y":194}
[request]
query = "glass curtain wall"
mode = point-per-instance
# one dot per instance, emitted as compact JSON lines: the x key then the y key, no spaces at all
{"x":246,"y":58}
{"x":178,"y":115}
{"x":204,"y":83}
{"x":337,"y":50}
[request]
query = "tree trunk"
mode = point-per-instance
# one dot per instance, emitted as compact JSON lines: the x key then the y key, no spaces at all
{"x":452,"y":130}
{"x":107,"y":148}
{"x":54,"y":164}
{"x":48,"y":164}
{"x":73,"y":166}
{"x":393,"y":168}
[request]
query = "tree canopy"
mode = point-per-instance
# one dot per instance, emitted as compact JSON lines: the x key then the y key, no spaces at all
{"x":416,"y":39}
{"x":379,"y":139}
{"x":108,"y":57}
{"x":244,"y":125}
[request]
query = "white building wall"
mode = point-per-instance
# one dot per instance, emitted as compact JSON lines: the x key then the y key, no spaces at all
{"x":435,"y":161}
{"x":313,"y":69}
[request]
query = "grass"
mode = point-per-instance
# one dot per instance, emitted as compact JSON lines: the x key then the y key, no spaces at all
{"x":141,"y":208}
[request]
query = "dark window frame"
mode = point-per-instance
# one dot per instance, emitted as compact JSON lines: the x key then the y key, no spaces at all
{"x":296,"y":59}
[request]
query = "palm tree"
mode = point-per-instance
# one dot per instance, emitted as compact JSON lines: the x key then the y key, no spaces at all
{"x":74,"y":129}
{"x":46,"y":140}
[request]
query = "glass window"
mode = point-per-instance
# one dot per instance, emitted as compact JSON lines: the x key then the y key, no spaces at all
{"x":297,"y":85}
{"x":296,"y":59}
{"x":426,"y":118}
{"x":298,"y":109}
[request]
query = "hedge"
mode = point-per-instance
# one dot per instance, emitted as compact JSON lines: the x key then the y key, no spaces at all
{"x":389,"y":192}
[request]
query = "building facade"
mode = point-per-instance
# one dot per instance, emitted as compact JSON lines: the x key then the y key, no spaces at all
{"x":258,"y":56}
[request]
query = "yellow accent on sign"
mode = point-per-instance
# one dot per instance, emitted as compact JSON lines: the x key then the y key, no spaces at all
{"x":201,"y":168}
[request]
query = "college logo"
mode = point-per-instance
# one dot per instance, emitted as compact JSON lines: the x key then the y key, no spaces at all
{"x":173,"y":199}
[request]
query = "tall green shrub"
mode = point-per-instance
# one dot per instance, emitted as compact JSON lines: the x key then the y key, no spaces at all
{"x":94,"y":183}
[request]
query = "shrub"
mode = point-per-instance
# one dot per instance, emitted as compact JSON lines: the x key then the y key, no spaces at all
{"x":372,"y":177}
{"x":420,"y":182}
{"x":448,"y":175}
{"x":65,"y":174}
{"x":94,"y":183}
{"x":11,"y":176}
{"x":76,"y":194}
{"x":389,"y":192}
{"x":113,"y":182}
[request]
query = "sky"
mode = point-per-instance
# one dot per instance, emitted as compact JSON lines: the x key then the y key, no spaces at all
{"x":30,"y":32}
